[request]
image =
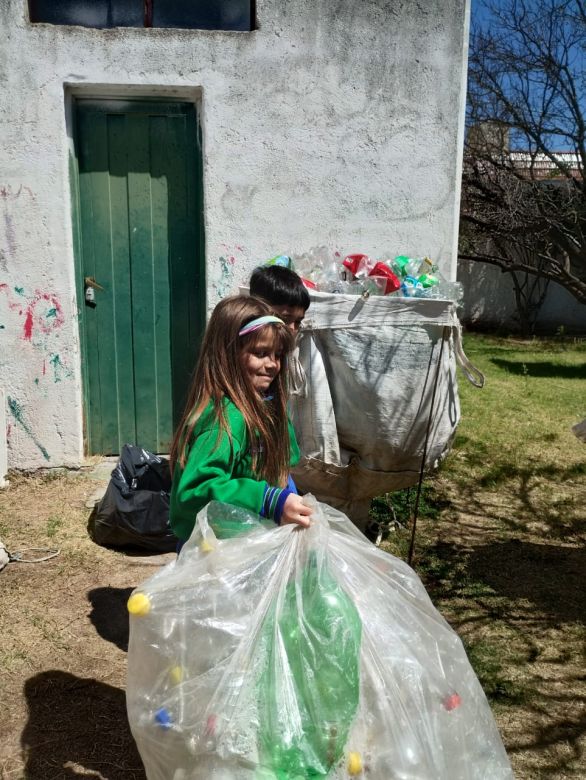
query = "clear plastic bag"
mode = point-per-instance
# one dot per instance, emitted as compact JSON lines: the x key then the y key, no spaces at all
{"x":277,"y":653}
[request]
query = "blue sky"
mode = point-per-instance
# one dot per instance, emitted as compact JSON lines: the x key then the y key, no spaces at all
{"x":557,"y":112}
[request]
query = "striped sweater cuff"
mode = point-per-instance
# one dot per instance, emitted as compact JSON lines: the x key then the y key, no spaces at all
{"x":273,"y":502}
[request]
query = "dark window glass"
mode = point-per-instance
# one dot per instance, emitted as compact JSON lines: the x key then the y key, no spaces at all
{"x":202,"y":14}
{"x":89,"y":13}
{"x":183,"y":14}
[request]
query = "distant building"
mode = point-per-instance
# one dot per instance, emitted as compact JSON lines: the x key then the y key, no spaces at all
{"x":560,"y":165}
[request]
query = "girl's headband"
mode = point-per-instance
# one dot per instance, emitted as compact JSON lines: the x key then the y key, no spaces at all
{"x":258,"y":323}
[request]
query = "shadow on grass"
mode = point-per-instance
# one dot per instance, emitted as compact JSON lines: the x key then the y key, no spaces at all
{"x":503,"y":472}
{"x":543,"y":369}
{"x":77,"y":727}
{"x":567,"y":732}
{"x":542,"y":492}
{"x":550,"y":577}
{"x":109,"y":614}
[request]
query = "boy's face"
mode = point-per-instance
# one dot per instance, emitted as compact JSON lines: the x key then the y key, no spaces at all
{"x":292,"y":316}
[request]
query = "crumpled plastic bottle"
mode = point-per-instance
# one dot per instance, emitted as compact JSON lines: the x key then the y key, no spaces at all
{"x":411,"y":287}
{"x":404,"y":266}
{"x":319,"y":269}
{"x":283,"y":260}
{"x":391,"y":281}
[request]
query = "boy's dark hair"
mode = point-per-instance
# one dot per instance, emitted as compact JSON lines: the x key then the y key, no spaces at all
{"x":278,"y":286}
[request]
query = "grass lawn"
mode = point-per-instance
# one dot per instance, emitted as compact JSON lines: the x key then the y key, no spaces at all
{"x":500,"y":545}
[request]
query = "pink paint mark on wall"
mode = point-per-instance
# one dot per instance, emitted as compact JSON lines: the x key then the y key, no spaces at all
{"x":44,"y":311}
{"x":11,"y":304}
{"x":28,"y":326}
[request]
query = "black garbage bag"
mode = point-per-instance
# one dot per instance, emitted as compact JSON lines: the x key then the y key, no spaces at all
{"x":134,"y":511}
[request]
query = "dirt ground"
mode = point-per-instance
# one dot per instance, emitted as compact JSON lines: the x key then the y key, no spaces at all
{"x":64,"y":634}
{"x":64,"y":631}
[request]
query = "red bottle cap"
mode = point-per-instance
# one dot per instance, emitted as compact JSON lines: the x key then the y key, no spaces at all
{"x":452,"y":701}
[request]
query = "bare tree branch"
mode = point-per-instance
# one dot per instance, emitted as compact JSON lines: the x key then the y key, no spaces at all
{"x":524,"y":192}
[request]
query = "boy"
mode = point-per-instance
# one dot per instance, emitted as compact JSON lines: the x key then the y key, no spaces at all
{"x":284,"y":292}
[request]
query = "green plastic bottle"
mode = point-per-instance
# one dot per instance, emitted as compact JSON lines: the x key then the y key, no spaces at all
{"x":318,"y":632}
{"x":428,"y":280}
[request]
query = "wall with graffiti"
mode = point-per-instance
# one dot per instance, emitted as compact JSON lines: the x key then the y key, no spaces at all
{"x":309,"y":138}
{"x":38,"y":342}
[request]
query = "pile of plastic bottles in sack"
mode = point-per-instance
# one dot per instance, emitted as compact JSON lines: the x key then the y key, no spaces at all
{"x":357,"y":274}
{"x":278,"y":653}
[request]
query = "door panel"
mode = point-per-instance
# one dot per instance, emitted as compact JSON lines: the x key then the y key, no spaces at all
{"x":141,"y":241}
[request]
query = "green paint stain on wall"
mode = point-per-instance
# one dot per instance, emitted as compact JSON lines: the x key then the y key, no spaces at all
{"x":57,"y":367}
{"x":17,"y":412}
{"x":60,"y":370}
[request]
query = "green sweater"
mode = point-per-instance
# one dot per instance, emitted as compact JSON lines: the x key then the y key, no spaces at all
{"x":216,"y":471}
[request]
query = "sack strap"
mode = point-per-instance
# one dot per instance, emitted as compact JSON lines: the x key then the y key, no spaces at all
{"x":297,"y":378}
{"x":473,"y":375}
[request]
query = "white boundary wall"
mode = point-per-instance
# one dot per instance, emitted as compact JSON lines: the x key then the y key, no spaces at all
{"x":489,"y":301}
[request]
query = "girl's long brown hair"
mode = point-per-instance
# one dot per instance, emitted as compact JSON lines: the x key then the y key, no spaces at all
{"x":219,"y":375}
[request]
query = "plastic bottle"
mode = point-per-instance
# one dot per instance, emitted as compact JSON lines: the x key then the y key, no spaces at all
{"x":283,"y":260}
{"x":411,"y":287}
{"x":453,"y":291}
{"x":428,"y":280}
{"x":391,"y":281}
{"x":426,"y":267}
{"x":404,"y":266}
{"x":373,"y":285}
{"x":412,"y":267}
{"x":398,"y":265}
{"x":358,"y":264}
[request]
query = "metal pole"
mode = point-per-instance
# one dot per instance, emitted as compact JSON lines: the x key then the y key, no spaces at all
{"x":445,"y":333}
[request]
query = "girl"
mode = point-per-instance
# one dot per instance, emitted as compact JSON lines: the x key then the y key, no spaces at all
{"x":235,"y":443}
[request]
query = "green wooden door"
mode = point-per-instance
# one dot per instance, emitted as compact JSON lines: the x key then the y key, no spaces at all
{"x":139,"y":237}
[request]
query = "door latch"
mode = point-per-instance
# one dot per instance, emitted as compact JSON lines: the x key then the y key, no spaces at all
{"x":91,"y":286}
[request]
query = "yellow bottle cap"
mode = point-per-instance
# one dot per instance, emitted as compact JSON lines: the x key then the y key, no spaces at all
{"x":354,"y":763}
{"x":139,"y":604}
{"x":176,"y":674}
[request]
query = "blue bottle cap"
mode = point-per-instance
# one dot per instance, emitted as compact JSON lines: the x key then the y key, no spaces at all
{"x":163,"y":718}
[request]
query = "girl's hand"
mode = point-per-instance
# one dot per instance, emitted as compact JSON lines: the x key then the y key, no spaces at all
{"x":295,"y":511}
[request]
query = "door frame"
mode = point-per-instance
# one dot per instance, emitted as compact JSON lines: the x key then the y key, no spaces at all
{"x":138,"y":94}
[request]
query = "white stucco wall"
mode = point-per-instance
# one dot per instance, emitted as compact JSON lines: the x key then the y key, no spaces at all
{"x":334,"y":123}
